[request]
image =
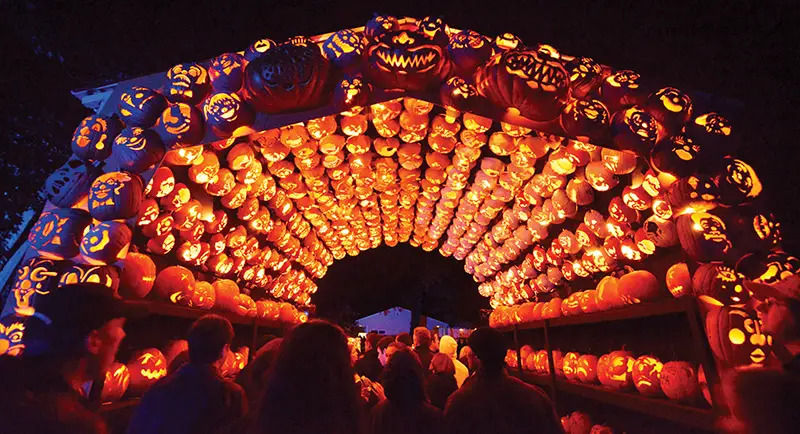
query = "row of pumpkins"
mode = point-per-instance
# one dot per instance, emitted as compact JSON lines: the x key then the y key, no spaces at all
{"x":148,"y":365}
{"x":619,"y":370}
{"x":579,"y":422}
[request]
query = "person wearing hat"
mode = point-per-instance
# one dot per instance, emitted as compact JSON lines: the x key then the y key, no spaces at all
{"x":779,"y":309}
{"x":71,"y":339}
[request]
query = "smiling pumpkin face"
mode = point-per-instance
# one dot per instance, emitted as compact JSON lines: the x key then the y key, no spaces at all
{"x":146,"y":368}
{"x":12,"y":330}
{"x":405,"y":59}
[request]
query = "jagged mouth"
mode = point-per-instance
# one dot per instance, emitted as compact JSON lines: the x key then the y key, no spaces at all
{"x":419,"y":60}
{"x":535,"y":72}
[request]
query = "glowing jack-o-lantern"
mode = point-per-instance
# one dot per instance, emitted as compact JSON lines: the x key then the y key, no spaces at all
{"x":138,"y":275}
{"x":621,"y":89}
{"x":671,"y":107}
{"x":146,"y":367}
{"x":532,"y":83}
{"x":117,"y":380}
{"x":633,"y":129}
{"x":171,"y":280}
{"x":343,"y":48}
{"x":180,"y":125}
{"x":678,"y":280}
{"x":586,"y":120}
{"x":226,"y":72}
{"x":570,"y":367}
{"x":738,"y":182}
{"x":350,"y":92}
{"x":468,"y":50}
{"x":586,"y":370}
{"x":69,"y":185}
{"x":647,"y":375}
{"x":38,"y":277}
{"x":697,"y":192}
{"x":615,"y":370}
{"x":226,"y":113}
{"x":12,"y":332}
{"x":719,"y":285}
{"x":57,"y":233}
{"x":257,"y":48}
{"x":140,"y":106}
{"x":379,"y":25}
{"x":585,"y":75}
{"x":105,"y":242}
{"x":93,"y":138}
{"x":115,"y":195}
{"x":136,"y":149}
{"x":187,"y":82}
{"x":79,"y":273}
{"x":406,"y":60}
{"x":736,"y":337}
{"x":703,"y":236}
{"x":677,"y":155}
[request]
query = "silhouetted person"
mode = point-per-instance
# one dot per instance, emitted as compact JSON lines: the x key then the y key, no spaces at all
{"x":311,"y":388}
{"x":369,"y":365}
{"x":448,"y":346}
{"x":253,"y":378}
{"x":71,"y":339}
{"x":405,"y":409}
{"x":493,"y":402}
{"x":441,"y":380}
{"x":195,"y":399}
{"x":383,"y":344}
{"x":779,"y":309}
{"x":422,"y":343}
{"x":465,"y":356}
{"x":405,"y":339}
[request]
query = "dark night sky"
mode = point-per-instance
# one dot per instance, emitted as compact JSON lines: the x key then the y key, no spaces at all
{"x":732,"y":49}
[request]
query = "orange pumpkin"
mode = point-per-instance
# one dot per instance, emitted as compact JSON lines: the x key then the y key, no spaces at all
{"x":608,"y":296}
{"x":146,"y":367}
{"x":679,"y":381}
{"x":530,"y":362}
{"x":173,"y":348}
{"x":586,"y":370}
{"x":117,"y":380}
{"x":171,"y":280}
{"x":615,"y":369}
{"x":679,"y":281}
{"x":511,"y":358}
{"x":524,"y":352}
{"x":246,"y":306}
{"x":540,"y":363}
{"x":588,"y":301}
{"x":578,"y":422}
{"x":266,"y":309}
{"x":226,"y":291}
{"x":638,"y":286}
{"x":558,"y":363}
{"x":287,"y":313}
{"x":647,"y":375}
{"x":570,"y":364}
{"x":138,"y":276}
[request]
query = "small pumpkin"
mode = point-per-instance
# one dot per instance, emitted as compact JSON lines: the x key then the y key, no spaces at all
{"x":343,"y":48}
{"x":570,"y":366}
{"x":679,"y":381}
{"x":468,"y":50}
{"x":647,"y":375}
{"x":720,"y":284}
{"x":617,"y":369}
{"x":621,"y":89}
{"x":585,"y":76}
{"x":93,"y":138}
{"x":226,"y":72}
{"x":738,"y":182}
{"x":671,"y":107}
{"x":227,"y":114}
{"x":146,"y":367}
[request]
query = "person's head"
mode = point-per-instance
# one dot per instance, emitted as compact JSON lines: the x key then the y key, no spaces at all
{"x":448,"y":345}
{"x":77,"y":328}
{"x":383,"y":344}
{"x":404,"y":338}
{"x":779,"y":307}
{"x":311,"y":386}
{"x":442,"y":364}
{"x":761,"y":400}
{"x":467,"y":357}
{"x":434,"y":345}
{"x":209,"y":338}
{"x":393,"y":348}
{"x":489,"y":347}
{"x":372,"y":340}
{"x":422,"y":337}
{"x":403,"y":378}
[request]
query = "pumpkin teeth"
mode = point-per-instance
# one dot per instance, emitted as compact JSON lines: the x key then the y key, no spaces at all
{"x":401,"y":61}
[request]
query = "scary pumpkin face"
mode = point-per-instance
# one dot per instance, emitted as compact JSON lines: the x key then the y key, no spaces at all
{"x":405,"y":60}
{"x":351,"y":92}
{"x":140,"y":106}
{"x":738,"y":182}
{"x":12,"y":330}
{"x":647,"y":375}
{"x":181,"y":124}
{"x":226,"y":72}
{"x":136,"y":149}
{"x":534,"y":84}
{"x":93,"y":138}
{"x":146,"y":367}
{"x":736,"y":338}
{"x":696,"y":192}
{"x":105,"y":242}
{"x":37,"y":276}
{"x":343,"y":48}
{"x":187,"y":82}
{"x":57,"y":233}
{"x":286,"y":78}
{"x":226,"y":112}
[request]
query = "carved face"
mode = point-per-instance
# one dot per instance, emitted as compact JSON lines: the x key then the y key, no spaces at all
{"x":12,"y":331}
{"x":646,"y":375}
{"x":468,"y":49}
{"x":624,"y":79}
{"x":226,"y":112}
{"x":343,"y":47}
{"x":676,"y":155}
{"x":405,"y":59}
{"x":147,"y":367}
{"x":507,"y":41}
{"x":738,"y":338}
{"x":106,"y":242}
{"x":641,"y":124}
{"x":584,"y":75}
{"x":187,"y":82}
{"x":57,"y":233}
{"x":141,"y":106}
{"x":711,"y":228}
{"x":93,"y":138}
{"x":115,"y":195}
{"x":674,"y":100}
{"x":741,"y":176}
{"x":226,"y":72}
{"x":379,"y":25}
{"x":37,"y":276}
{"x":714,"y":123}
{"x":258,"y":48}
{"x":767,"y":228}
{"x":434,"y":28}
{"x":182,"y":123}
{"x":728,"y":286}
{"x":80,"y":273}
{"x":118,"y":378}
{"x":351,"y":91}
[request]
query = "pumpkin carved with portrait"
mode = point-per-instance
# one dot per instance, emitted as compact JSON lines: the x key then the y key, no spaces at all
{"x":57,"y":234}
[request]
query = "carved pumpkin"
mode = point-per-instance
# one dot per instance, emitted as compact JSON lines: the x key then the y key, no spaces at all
{"x":647,"y":375}
{"x":93,"y":138}
{"x":679,"y":381}
{"x":678,"y":280}
{"x":588,"y":301}
{"x":586,"y":370}
{"x":737,"y":182}
{"x":570,"y":367}
{"x":616,"y":368}
{"x":703,"y":236}
{"x":585,"y":76}
{"x":698,"y":192}
{"x":105,"y":275}
{"x":468,"y":50}
{"x":621,"y":89}
{"x":185,"y":156}
{"x":586,"y":120}
{"x":12,"y":332}
{"x":146,"y":367}
{"x":350,"y":92}
{"x":136,"y":150}
{"x":162,"y":244}
{"x":677,"y":155}
{"x":227,"y":114}
{"x":162,"y":182}
{"x":37,"y":276}
{"x":379,"y":25}
{"x":671,"y":107}
{"x":138,"y":276}
{"x":257,"y":48}
{"x":638,"y":286}
{"x":632,"y":129}
{"x":115,"y":195}
{"x":735,"y":336}
{"x":288,"y":77}
{"x":719,"y":284}
{"x":226,"y":72}
{"x":715,"y":132}
{"x":171,"y":280}
{"x":117,"y":380}
{"x":69,"y":184}
{"x":405,"y":60}
{"x":576,"y":423}
{"x":181,"y":125}
{"x":226,"y":294}
{"x":57,"y":234}
{"x":608,"y":295}
{"x":105,"y":242}
{"x":187,"y":83}
{"x":343,"y":48}
{"x":140,"y":106}
{"x":531,"y":82}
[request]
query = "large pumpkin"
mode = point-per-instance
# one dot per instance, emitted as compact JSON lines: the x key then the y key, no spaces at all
{"x":703,"y":236}
{"x":140,"y":106}
{"x":171,"y":280}
{"x":38,"y":276}
{"x":117,"y":380}
{"x":586,"y":370}
{"x":146,"y":367}
{"x":115,"y":195}
{"x":638,"y":286}
{"x":93,"y":137}
{"x":106,"y":242}
{"x":226,"y":294}
{"x":679,"y":381}
{"x":288,"y":77}
{"x":608,"y":295}
{"x":720,"y":284}
{"x":735,"y":336}
{"x":405,"y":60}
{"x":57,"y":234}
{"x":105,"y":275}
{"x":647,"y":375}
{"x":531,"y":82}
{"x":138,"y":276}
{"x":136,"y":150}
{"x":69,"y":184}
{"x":616,"y":368}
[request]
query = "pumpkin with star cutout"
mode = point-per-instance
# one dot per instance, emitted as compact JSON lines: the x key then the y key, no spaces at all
{"x":146,"y":367}
{"x":735,"y":336}
{"x":140,"y":106}
{"x":94,"y":136}
{"x":57,"y":234}
{"x":115,"y":195}
{"x":405,"y":60}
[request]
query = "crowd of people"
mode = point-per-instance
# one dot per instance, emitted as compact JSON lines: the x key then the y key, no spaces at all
{"x":312,"y":381}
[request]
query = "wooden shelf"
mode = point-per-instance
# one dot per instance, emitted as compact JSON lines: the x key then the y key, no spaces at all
{"x":663,"y":408}
{"x":166,"y":309}
{"x":655,"y":308}
{"x":108,"y":407}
